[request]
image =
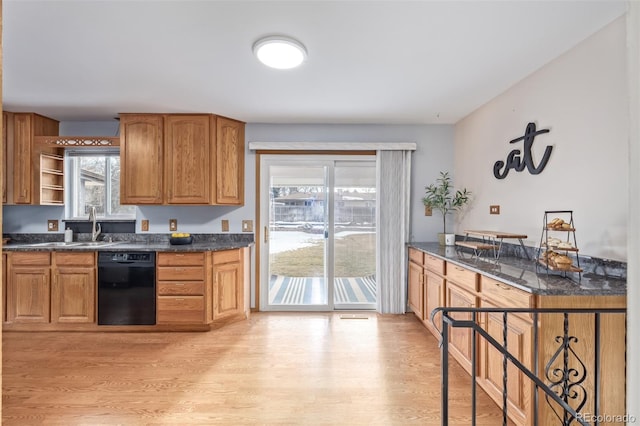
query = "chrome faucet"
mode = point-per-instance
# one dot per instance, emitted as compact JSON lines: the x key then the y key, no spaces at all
{"x":95,"y":227}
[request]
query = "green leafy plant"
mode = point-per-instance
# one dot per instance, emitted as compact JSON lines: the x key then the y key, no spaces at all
{"x":440,"y":196}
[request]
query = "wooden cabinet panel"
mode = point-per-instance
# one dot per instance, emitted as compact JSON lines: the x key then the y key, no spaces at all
{"x":73,"y":294}
{"x":177,"y":288}
{"x":416,"y":256}
{"x":28,"y":294}
{"x":188,"y":159}
{"x":180,"y":273}
{"x":4,"y":287}
{"x":226,"y":256}
{"x":7,"y":157}
{"x":433,"y":298}
{"x":434,"y":264}
{"x":506,"y":296}
{"x":460,"y":339}
{"x":462,"y":277}
{"x":74,"y":259}
{"x":416,"y":289}
{"x":520,"y":344}
{"x":228,"y":290}
{"x":229,"y":162}
{"x":181,"y":259}
{"x":180,"y":309}
{"x":24,"y":167}
{"x":30,"y":258}
{"x":141,"y":159}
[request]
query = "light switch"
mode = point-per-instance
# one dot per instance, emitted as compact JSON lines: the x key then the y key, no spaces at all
{"x":52,"y":225}
{"x":144,"y":225}
{"x":247,"y":226}
{"x":225,"y":225}
{"x":427,"y":211}
{"x":494,"y":209}
{"x":173,"y":225}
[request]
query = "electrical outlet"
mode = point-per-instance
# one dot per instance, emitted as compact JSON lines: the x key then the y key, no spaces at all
{"x":247,"y":226}
{"x":52,"y":225}
{"x":494,"y":209}
{"x":427,"y":211}
{"x":173,"y":225}
{"x":225,"y":225}
{"x":144,"y":225}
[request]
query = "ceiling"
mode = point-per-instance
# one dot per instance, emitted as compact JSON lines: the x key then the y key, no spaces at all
{"x":391,"y":62}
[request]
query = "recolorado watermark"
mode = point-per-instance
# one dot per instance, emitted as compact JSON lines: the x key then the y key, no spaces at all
{"x":606,"y":418}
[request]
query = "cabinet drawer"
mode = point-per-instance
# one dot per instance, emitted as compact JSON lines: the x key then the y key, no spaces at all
{"x":462,"y":276}
{"x":504,"y":295}
{"x":434,"y":264}
{"x":181,"y":273}
{"x":180,"y":259}
{"x":185,"y":309}
{"x":179,"y":288}
{"x":416,"y":256}
{"x":74,"y":259}
{"x":30,"y":258}
{"x":226,"y":256}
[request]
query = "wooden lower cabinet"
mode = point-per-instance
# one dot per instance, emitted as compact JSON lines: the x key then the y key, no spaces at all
{"x":45,"y":287}
{"x":416,"y":289}
{"x":28,"y":287}
{"x":181,"y":283}
{"x":228,"y":283}
{"x":490,"y":369}
{"x":465,"y":288}
{"x":73,"y":288}
{"x":460,"y":339}
{"x":433,"y":298}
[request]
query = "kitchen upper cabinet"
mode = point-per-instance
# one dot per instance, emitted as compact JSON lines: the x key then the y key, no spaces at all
{"x":229,"y":162}
{"x":73,"y":287}
{"x":228,"y":283}
{"x":183,"y":159}
{"x":141,"y":158}
{"x":7,"y":151}
{"x":28,"y":287}
{"x":22,"y":159}
{"x":188,"y":159}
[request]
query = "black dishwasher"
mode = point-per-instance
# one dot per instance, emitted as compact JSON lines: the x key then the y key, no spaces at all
{"x":126,"y":288}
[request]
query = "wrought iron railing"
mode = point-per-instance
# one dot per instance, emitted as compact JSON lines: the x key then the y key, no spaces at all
{"x":563,"y":380}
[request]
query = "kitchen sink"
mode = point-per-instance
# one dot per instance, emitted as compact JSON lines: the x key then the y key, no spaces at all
{"x":76,"y":244}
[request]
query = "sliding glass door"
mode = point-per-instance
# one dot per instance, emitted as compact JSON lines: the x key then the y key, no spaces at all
{"x":318,"y":245}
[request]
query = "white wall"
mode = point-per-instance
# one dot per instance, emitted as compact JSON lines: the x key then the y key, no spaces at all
{"x":582,"y":98}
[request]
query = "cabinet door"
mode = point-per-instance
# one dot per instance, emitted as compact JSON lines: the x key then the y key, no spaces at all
{"x":433,"y":298}
{"x":520,"y":344}
{"x":21,"y":162}
{"x":141,"y":159}
{"x":28,"y":295}
{"x":460,"y":339}
{"x":416,"y":289}
{"x":73,"y":295}
{"x":229,"y":162}
{"x":228,"y":290}
{"x":188,"y":159}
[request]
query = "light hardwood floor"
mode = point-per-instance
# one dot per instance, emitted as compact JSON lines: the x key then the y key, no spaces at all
{"x":276,"y":368}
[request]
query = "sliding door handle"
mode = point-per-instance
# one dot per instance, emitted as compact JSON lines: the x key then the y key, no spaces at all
{"x":266,"y":234}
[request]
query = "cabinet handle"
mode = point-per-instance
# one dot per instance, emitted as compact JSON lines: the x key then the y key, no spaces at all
{"x":180,"y":300}
{"x":179,"y":283}
{"x":457,"y":268}
{"x":179,"y":255}
{"x":266,"y":234}
{"x":503,"y":286}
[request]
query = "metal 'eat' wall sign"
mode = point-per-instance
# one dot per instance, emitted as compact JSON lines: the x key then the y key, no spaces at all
{"x":514,"y":161}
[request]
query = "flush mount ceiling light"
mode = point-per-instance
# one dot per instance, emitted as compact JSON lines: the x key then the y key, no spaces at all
{"x":280,"y":52}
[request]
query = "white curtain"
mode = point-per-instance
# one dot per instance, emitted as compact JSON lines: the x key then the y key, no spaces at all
{"x":392,"y":214}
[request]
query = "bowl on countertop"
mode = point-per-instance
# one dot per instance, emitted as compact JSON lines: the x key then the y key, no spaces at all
{"x":175,"y":241}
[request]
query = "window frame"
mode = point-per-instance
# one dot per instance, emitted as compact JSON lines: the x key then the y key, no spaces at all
{"x":72,"y":183}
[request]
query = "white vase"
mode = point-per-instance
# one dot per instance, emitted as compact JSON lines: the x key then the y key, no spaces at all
{"x":449,"y":239}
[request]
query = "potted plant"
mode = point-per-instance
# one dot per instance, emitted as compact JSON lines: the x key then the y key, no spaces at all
{"x":440,"y":196}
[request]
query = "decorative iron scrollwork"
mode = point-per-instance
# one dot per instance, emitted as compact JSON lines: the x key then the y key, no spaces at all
{"x":567,"y":379}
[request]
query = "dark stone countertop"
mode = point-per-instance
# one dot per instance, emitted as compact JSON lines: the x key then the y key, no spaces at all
{"x":525,"y":275}
{"x":130,"y":242}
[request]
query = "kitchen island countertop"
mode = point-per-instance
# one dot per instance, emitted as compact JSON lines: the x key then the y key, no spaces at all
{"x":525,"y":275}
